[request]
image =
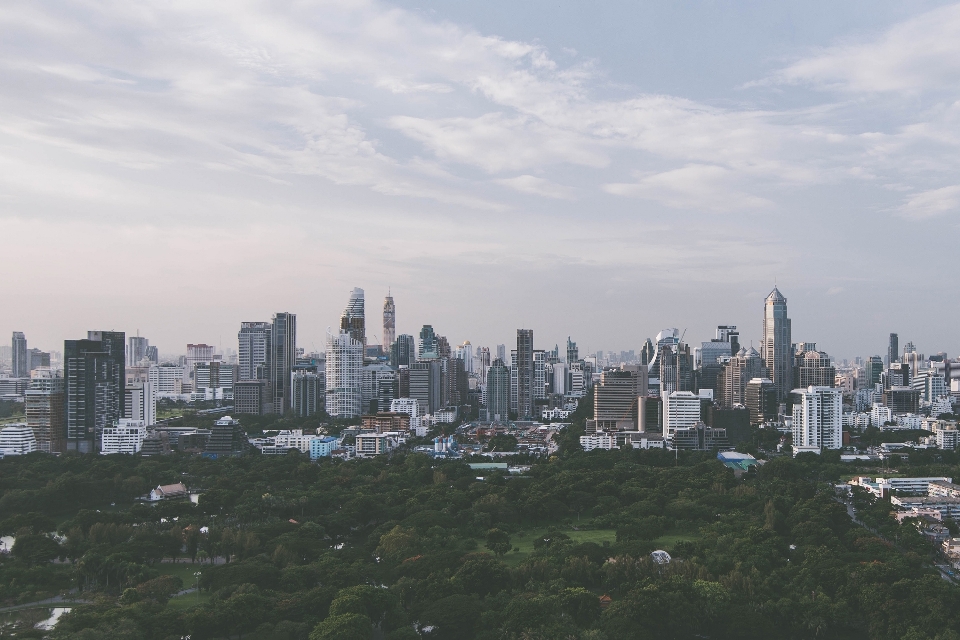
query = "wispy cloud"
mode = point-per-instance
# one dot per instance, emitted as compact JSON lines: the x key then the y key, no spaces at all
{"x":935,"y":202}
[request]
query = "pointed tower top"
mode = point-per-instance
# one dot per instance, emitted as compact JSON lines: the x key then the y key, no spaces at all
{"x":776,"y":297}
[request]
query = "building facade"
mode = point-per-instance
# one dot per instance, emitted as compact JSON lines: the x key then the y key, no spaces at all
{"x":776,"y":348}
{"x":817,"y":419}
{"x":94,"y":387}
{"x":344,"y":365}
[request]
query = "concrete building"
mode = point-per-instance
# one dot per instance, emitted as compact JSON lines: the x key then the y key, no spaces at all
{"x":760,"y":398}
{"x":389,"y":322}
{"x":902,"y":400}
{"x":344,"y":365}
{"x":136,"y":350}
{"x":498,"y":392}
{"x":681,"y":409}
{"x":94,"y":387}
{"x":616,"y":400}
{"x":776,"y":347}
{"x":880,"y":415}
{"x":377,"y":382}
{"x":140,"y":402}
{"x":166,"y":379}
{"x":17,"y":440}
{"x":20,"y":365}
{"x":525,"y":374}
{"x":44,"y":408}
{"x":813,"y":368}
{"x":403,"y":351}
{"x":253,"y":396}
{"x":598,"y":441}
{"x":369,"y":445}
{"x":353,"y":320}
{"x":739,"y":370}
{"x":817,"y":419}
{"x":283,"y":357}
{"x":214,"y":380}
{"x":124,"y":437}
{"x":308,"y":390}
{"x":322,"y":447}
{"x":226,"y":439}
{"x":410,"y":407}
{"x":255,"y":341}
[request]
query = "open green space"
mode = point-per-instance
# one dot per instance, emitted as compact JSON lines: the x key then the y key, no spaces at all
{"x":523,"y":541}
{"x":189,"y":600}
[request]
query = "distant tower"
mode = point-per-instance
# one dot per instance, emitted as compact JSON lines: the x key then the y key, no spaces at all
{"x":283,"y":355}
{"x":893,"y":350}
{"x":21,"y":365}
{"x":353,"y":320}
{"x":776,"y":345}
{"x":572,"y":353}
{"x":525,"y":373}
{"x":389,"y":323}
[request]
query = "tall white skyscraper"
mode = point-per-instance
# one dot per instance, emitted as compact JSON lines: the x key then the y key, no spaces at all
{"x":344,"y":382}
{"x":817,"y":419}
{"x":353,"y":320}
{"x":776,"y":349}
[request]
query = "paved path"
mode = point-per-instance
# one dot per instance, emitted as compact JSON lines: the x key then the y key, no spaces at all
{"x":56,"y":601}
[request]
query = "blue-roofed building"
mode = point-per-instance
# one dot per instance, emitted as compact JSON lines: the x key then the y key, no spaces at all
{"x":737,"y":461}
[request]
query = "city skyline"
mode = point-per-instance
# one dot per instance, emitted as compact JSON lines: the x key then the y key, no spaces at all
{"x":690,"y":147}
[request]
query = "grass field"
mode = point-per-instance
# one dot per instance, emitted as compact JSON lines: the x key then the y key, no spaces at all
{"x":524,"y":540}
{"x":189,"y":600}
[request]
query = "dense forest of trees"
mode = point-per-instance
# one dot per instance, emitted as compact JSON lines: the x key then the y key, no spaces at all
{"x":410,"y":547}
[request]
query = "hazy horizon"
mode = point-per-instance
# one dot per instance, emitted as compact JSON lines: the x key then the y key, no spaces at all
{"x":600,"y":172}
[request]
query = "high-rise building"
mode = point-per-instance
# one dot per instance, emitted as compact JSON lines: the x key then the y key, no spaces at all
{"x":253,"y":396}
{"x":813,"y":368}
{"x":761,"y":400}
{"x":283,"y":356}
{"x":94,"y":387}
{"x":37,"y":359}
{"x":353,"y":321}
{"x":44,"y":407}
{"x":502,"y":352}
{"x":308,"y":389}
{"x":465,"y":353}
{"x":893,"y":349}
{"x":140,"y":402}
{"x":573,"y":354}
{"x":498,"y":392}
{"x":344,"y":365}
{"x":776,"y":347}
{"x":377,"y":383}
{"x":817,"y":419}
{"x":481,"y":362}
{"x":136,"y":350}
{"x":19,"y":359}
{"x":255,"y":343}
{"x":152,"y":354}
{"x":525,"y":394}
{"x":403,"y":353}
{"x":389,"y":322}
{"x":426,"y":384}
{"x":616,"y":401}
{"x":733,"y":379}
{"x":681,"y":410}
{"x":427,"y":348}
{"x":873,"y":372}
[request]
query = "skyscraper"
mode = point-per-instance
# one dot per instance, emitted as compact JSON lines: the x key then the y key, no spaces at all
{"x":893,"y":349}
{"x":136,"y":350}
{"x":525,"y":374}
{"x":344,"y":366}
{"x":43,"y":404}
{"x":255,"y":342}
{"x":284,"y":356}
{"x":403,"y":353}
{"x":427,"y":349}
{"x":20,"y":361}
{"x":776,"y":346}
{"x":498,"y":392}
{"x":95,"y":387}
{"x":389,"y":322}
{"x":572,"y":353}
{"x":817,"y":419}
{"x":353,"y":320}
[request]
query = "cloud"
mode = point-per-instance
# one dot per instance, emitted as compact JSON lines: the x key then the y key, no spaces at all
{"x":922,"y":53}
{"x":696,"y":187}
{"x":538,"y":187}
{"x":935,"y":202}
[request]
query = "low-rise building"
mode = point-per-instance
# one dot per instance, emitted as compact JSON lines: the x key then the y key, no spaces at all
{"x":369,"y":445}
{"x":322,"y":447}
{"x":948,"y":507}
{"x":169,"y":492}
{"x":17,"y":440}
{"x":598,"y":440}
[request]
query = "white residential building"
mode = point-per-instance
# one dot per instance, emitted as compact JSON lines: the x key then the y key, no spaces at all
{"x":344,"y":366}
{"x":141,"y":402}
{"x":410,"y":407}
{"x":817,"y":419}
{"x":880,"y":415}
{"x":948,"y":439}
{"x":598,"y":440}
{"x":17,"y":440}
{"x":294,"y":439}
{"x":166,"y":379}
{"x":681,"y":409}
{"x":125,"y":437}
{"x":322,"y":447}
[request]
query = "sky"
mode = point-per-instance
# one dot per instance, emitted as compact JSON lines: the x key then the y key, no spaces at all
{"x":596,"y":170}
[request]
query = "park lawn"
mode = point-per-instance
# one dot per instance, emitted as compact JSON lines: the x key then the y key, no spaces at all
{"x":189,"y":600}
{"x":184,"y":570}
{"x":524,"y":540}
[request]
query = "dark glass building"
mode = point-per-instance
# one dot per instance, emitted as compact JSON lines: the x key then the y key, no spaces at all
{"x":94,"y":387}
